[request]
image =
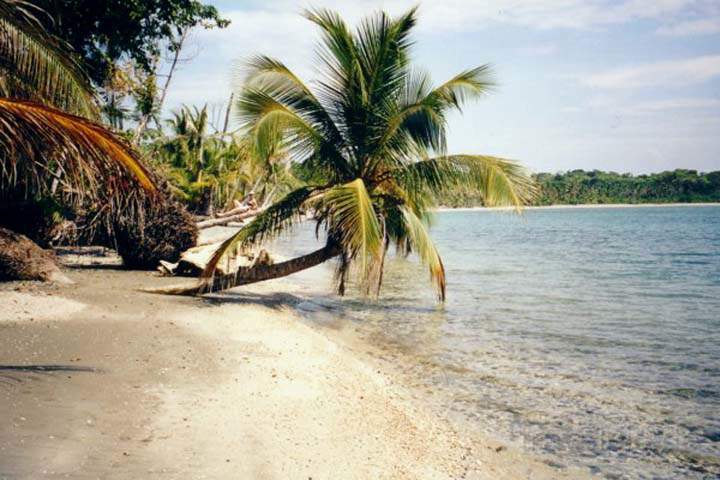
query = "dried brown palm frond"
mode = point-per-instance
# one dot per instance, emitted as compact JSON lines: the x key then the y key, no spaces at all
{"x":47,"y":153}
{"x":39,"y":144}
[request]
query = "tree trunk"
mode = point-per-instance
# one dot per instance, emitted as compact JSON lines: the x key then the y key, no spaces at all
{"x":22,"y":259}
{"x":257,"y":273}
{"x":214,"y":222}
{"x":142,"y":124}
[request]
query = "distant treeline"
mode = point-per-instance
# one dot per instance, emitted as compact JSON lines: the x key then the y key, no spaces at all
{"x":597,"y":187}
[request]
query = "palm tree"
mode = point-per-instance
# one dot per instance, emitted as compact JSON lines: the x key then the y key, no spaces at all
{"x":45,"y":133}
{"x":35,"y":66}
{"x":371,"y":134}
{"x":50,"y":143}
{"x":211,"y":169}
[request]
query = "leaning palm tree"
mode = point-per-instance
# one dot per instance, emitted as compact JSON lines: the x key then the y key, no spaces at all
{"x":50,"y":144}
{"x":371,"y":133}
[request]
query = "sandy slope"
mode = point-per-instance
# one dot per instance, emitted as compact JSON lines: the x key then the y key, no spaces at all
{"x":101,"y":381}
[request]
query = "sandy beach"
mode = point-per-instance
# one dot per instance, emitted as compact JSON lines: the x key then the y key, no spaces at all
{"x":99,"y":380}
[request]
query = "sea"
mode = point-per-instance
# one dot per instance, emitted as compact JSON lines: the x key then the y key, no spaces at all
{"x":589,"y":337}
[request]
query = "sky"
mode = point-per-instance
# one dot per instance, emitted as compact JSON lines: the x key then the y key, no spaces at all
{"x":621,"y":85}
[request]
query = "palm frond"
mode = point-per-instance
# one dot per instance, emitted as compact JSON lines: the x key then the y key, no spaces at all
{"x":464,"y":86}
{"x":348,"y":212}
{"x":36,"y":139}
{"x":273,"y":120}
{"x":39,"y":67}
{"x":266,"y":225}
{"x":278,"y":123}
{"x":339,"y":53}
{"x":273,"y":76}
{"x":423,"y":246}
{"x":383,"y":47}
{"x":500,"y":182}
{"x":422,"y":110}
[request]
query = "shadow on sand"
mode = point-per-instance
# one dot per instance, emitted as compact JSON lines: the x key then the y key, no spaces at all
{"x":14,"y":374}
{"x":275,"y":300}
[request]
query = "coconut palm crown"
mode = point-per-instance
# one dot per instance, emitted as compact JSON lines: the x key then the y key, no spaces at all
{"x":371,"y":132}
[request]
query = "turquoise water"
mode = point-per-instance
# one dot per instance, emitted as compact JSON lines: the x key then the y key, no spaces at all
{"x":588,"y":336}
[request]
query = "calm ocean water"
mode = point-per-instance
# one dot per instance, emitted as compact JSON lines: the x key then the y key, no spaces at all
{"x":588,"y":336}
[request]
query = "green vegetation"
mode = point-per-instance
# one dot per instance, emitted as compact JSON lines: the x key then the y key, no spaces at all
{"x":109,"y":32}
{"x":208,"y":170}
{"x":57,"y":160}
{"x":579,"y":186}
{"x":597,"y":187}
{"x":44,"y":92}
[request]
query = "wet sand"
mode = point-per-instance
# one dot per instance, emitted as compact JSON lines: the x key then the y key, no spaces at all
{"x":98,"y":380}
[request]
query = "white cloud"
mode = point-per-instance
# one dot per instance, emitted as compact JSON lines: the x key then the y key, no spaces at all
{"x":277,"y":29}
{"x":684,"y":72}
{"x":468,"y":15}
{"x":680,"y":109}
{"x":705,"y":26}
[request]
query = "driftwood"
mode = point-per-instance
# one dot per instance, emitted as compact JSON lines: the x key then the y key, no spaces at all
{"x":215,"y":222}
{"x":23,"y":259}
{"x":194,"y":260}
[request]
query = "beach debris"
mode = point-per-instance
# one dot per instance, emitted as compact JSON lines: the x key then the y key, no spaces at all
{"x":244,"y":210}
{"x":194,"y":260}
{"x":23,"y":259}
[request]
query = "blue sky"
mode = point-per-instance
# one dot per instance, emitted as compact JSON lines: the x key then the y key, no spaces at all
{"x":629,"y":86}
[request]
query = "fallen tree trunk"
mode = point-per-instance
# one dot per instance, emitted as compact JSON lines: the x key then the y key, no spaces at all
{"x":259,"y":272}
{"x":23,"y":259}
{"x":214,"y":222}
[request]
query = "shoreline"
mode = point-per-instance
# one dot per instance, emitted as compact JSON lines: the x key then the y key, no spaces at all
{"x":578,"y":206}
{"x":233,"y":386}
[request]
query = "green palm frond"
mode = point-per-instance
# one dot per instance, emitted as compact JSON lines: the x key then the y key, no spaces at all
{"x":348,"y":212}
{"x":275,"y":122}
{"x":383,"y":51}
{"x":272,"y":75}
{"x":422,"y":108}
{"x":38,"y":67}
{"x":419,"y":240}
{"x":467,"y":85}
{"x":338,"y":53}
{"x":266,"y":225}
{"x":500,"y":182}
{"x":279,"y":106}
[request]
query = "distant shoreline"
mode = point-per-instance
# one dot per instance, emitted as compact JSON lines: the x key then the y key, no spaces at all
{"x":580,"y":206}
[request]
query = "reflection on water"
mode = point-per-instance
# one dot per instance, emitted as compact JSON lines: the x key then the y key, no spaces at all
{"x":591,"y":336}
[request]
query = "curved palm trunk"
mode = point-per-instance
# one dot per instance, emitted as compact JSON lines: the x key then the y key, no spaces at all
{"x":258,"y":273}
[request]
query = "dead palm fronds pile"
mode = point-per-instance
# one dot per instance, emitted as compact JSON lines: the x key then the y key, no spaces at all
{"x":51,"y":146}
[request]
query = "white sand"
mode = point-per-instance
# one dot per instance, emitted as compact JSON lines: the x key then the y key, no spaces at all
{"x":221,"y":389}
{"x":23,"y":307}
